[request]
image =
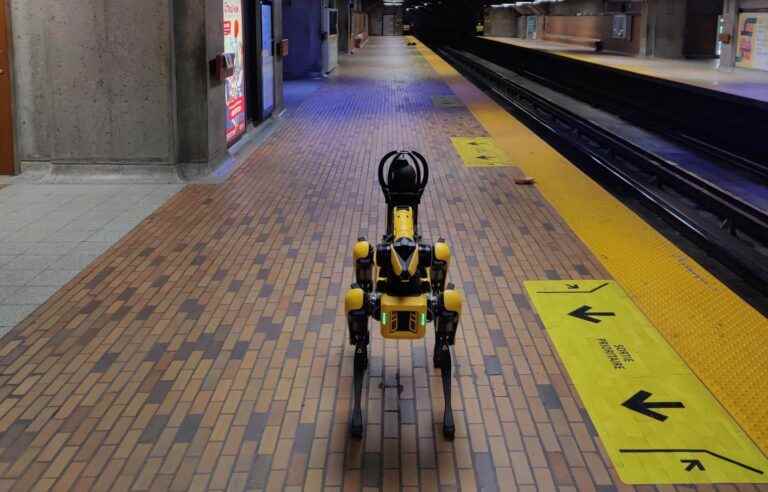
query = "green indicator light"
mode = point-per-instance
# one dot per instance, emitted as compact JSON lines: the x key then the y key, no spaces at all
{"x":384,"y":318}
{"x":423,"y":319}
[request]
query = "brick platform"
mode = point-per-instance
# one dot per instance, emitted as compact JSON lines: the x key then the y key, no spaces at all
{"x":207,"y":349}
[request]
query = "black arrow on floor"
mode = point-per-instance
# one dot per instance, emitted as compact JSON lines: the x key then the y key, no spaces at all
{"x":583,"y":313}
{"x":639,"y":404}
{"x":693,"y":464}
{"x":572,"y":286}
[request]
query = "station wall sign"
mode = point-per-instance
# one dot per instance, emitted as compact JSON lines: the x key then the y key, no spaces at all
{"x":234,"y":86}
{"x":752,"y":48}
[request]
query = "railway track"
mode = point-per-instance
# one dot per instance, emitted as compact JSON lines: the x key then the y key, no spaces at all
{"x":728,"y":228}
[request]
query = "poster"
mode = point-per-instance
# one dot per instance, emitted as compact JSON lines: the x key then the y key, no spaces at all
{"x":531,"y":27}
{"x":234,"y":85}
{"x":620,"y":26}
{"x":752,"y":48}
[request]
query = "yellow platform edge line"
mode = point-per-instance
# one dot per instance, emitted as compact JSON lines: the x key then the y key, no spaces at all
{"x":721,"y":338}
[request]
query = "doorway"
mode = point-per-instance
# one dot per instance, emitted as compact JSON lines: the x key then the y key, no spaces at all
{"x":388,"y":25}
{"x":259,"y":47}
{"x":6,"y":117}
{"x":329,"y":48}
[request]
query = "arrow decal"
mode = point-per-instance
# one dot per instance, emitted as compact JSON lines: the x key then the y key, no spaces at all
{"x":572,"y":289}
{"x":689,"y":451}
{"x":583,"y":313}
{"x":639,"y":404}
{"x":693,"y":464}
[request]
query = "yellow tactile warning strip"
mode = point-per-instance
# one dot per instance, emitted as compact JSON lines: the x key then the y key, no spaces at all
{"x":720,"y":337}
{"x":480,"y":152}
{"x":658,"y":422}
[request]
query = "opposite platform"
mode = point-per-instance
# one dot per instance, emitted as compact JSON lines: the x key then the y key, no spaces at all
{"x":750,"y":84}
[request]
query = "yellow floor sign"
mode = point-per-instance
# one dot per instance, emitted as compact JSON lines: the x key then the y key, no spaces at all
{"x":480,"y":152}
{"x":658,"y":422}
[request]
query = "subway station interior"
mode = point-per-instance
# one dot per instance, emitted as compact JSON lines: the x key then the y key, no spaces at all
{"x":378,"y":245}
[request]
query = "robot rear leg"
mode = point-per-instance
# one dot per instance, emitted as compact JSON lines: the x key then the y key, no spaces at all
{"x":359,"y":337}
{"x":447,"y":322}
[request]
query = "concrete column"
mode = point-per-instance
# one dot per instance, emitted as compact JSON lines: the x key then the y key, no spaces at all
{"x":644,"y":33}
{"x":345,"y":25}
{"x":501,"y":22}
{"x":731,"y":18}
{"x":199,"y":37}
{"x":121,"y":86}
{"x":94,"y":82}
{"x":301,"y":24}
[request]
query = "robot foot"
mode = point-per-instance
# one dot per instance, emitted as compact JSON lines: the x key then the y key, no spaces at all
{"x":449,"y":429}
{"x":356,"y":425}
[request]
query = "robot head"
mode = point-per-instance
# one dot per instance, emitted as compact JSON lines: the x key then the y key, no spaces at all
{"x":403,"y":177}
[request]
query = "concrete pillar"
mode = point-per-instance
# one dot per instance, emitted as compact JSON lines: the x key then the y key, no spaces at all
{"x":301,"y":24}
{"x":645,"y":14}
{"x":345,"y":26}
{"x":731,"y":19}
{"x":89,"y":89}
{"x":199,"y":37}
{"x":501,"y":22}
{"x":121,"y":86}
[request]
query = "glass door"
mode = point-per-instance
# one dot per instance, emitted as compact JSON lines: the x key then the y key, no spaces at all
{"x":267,"y":61}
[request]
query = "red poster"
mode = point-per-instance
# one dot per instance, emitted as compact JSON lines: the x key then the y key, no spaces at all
{"x":235,"y":85}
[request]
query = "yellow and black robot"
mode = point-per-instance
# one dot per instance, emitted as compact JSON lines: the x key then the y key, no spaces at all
{"x":401,"y":282}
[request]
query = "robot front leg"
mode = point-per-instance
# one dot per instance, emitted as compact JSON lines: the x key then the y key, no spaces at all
{"x":359,"y":337}
{"x":362,"y":253}
{"x":438,"y":272}
{"x":447,"y":322}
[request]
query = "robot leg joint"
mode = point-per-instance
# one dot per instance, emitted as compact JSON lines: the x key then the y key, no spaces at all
{"x":448,"y":313}
{"x":356,"y":304}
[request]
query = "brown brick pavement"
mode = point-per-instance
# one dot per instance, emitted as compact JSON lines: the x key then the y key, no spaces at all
{"x":207,"y":350}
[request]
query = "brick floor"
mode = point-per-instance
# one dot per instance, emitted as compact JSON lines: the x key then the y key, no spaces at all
{"x":207,"y":349}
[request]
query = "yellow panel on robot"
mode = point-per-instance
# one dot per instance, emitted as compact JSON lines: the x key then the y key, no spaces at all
{"x":403,"y":317}
{"x":657,"y":421}
{"x":480,"y":152}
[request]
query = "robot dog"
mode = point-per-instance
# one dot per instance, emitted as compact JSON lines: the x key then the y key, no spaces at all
{"x":410,"y":289}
